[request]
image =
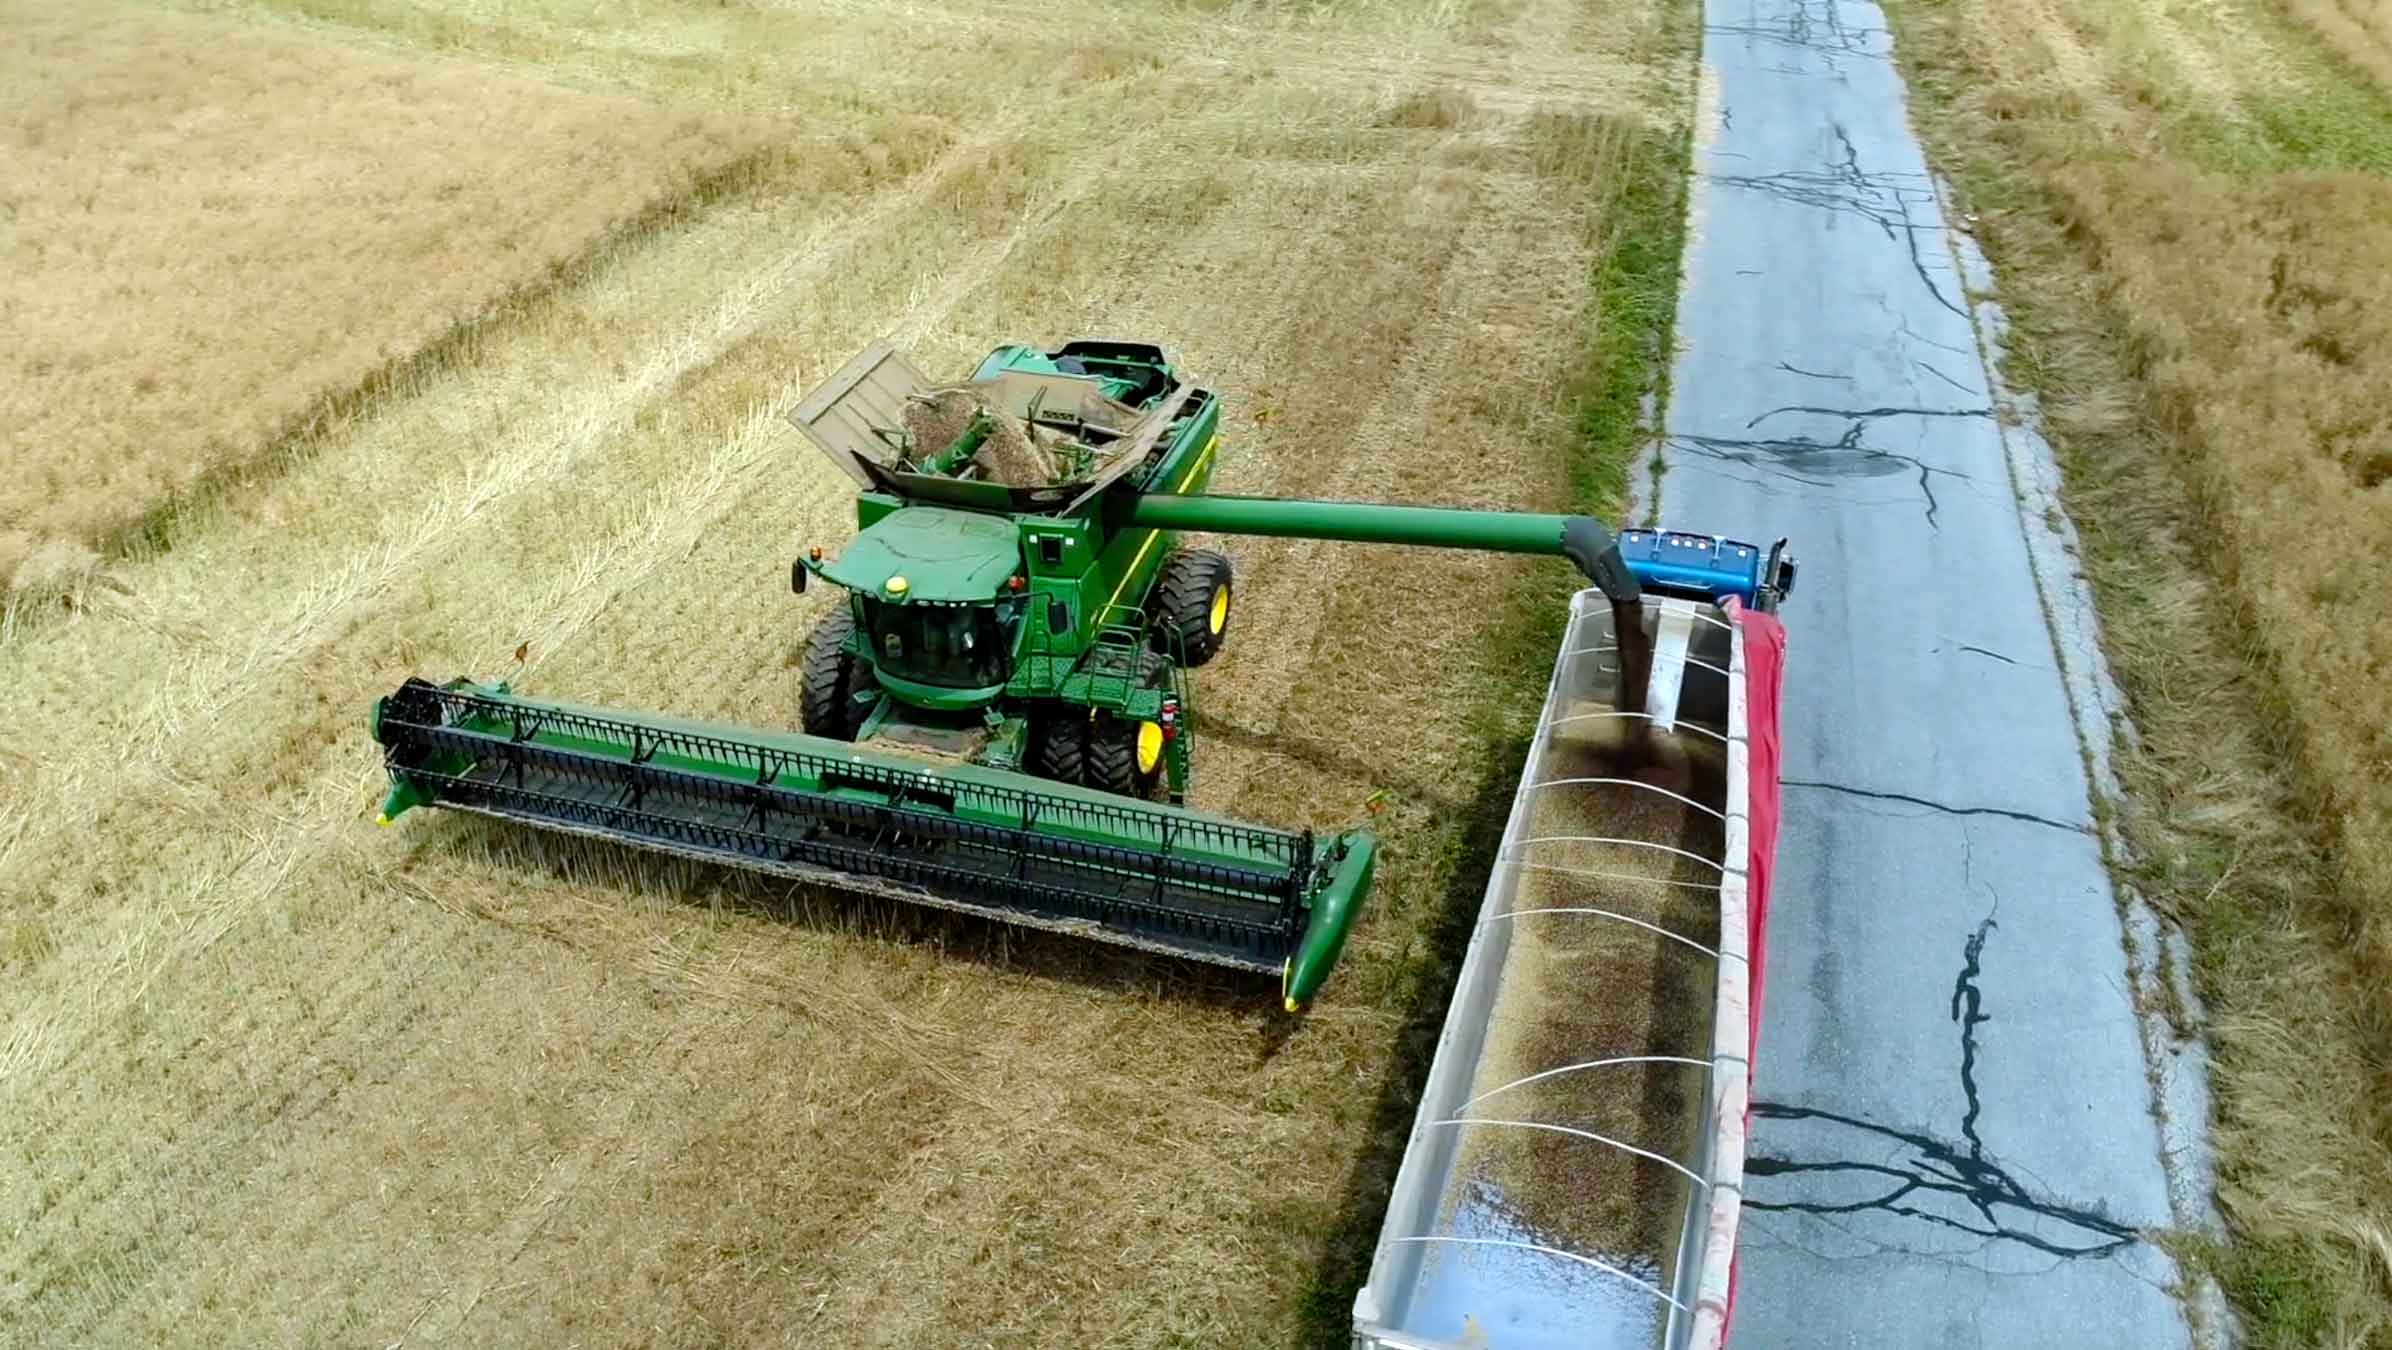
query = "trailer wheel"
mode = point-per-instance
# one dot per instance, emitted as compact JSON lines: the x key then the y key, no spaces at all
{"x":830,"y":678}
{"x":1125,"y":755}
{"x":1191,"y":604}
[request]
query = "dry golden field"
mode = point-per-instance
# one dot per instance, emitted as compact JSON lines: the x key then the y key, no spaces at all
{"x":214,"y":234}
{"x":269,"y":1075}
{"x":2359,"y":30}
{"x":2191,"y":210}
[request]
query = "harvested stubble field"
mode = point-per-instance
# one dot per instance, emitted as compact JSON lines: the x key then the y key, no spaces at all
{"x":270,"y":1075}
{"x":213,"y":236}
{"x":2191,"y":210}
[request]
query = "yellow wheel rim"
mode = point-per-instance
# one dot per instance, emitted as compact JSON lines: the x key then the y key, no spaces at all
{"x":1150,"y":746}
{"x":1219,"y":618}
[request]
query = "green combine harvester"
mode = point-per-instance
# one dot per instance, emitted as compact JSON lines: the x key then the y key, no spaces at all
{"x":994,"y":711}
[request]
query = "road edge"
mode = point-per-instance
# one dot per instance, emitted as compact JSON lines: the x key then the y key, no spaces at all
{"x":2169,"y":1013}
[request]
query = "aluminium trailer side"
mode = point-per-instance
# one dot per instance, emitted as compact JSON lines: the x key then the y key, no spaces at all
{"x":1575,"y":1169}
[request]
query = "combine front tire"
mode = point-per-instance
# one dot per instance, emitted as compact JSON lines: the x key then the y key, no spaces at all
{"x":1125,"y":755}
{"x":1190,"y":609}
{"x":1059,"y":744}
{"x":829,"y":680}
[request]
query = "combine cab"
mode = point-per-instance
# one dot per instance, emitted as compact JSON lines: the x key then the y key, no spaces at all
{"x":997,"y":717}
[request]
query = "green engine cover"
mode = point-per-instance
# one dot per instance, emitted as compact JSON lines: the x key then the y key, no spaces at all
{"x":932,"y":555}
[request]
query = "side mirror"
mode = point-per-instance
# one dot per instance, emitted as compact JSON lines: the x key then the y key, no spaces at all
{"x":1058,"y":617}
{"x":797,"y":578}
{"x":1778,"y":574}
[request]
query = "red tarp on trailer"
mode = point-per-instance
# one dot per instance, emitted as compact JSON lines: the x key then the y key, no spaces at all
{"x":1764,"y":677}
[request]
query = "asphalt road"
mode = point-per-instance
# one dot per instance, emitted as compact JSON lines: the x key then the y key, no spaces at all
{"x":1954,"y":1142}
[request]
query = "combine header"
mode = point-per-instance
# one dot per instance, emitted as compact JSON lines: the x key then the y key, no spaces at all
{"x":993,"y":712}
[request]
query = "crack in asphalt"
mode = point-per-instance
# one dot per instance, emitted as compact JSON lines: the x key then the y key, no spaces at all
{"x":1918,"y":264}
{"x":1851,"y":152}
{"x":1852,"y":193}
{"x":2004,"y":1208}
{"x":2004,"y":812}
{"x":1812,"y":374}
{"x":1865,"y":415}
{"x":1793,"y":453}
{"x":1873,"y":196}
{"x":1801,"y":29}
{"x":1981,"y":651}
{"x":1965,"y":990}
{"x":1902,"y":326}
{"x":1847,"y":38}
{"x":1973,"y":393}
{"x":1737,"y":450}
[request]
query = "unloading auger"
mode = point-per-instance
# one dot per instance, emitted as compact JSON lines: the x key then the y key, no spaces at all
{"x":991,"y":714}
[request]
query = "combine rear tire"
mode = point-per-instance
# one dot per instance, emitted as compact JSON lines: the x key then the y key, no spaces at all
{"x":1190,"y":608}
{"x":830,"y":678}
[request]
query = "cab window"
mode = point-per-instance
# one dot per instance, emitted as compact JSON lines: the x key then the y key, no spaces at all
{"x":958,"y":646}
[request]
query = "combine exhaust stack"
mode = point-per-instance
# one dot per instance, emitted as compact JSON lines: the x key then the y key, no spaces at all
{"x":1142,"y":874}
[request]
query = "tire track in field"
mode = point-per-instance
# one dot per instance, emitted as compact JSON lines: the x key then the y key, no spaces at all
{"x":1380,"y":697}
{"x":45,"y":1036}
{"x":963,"y":279}
{"x":946,"y":1155}
{"x":1442,"y":363}
{"x":699,"y":498}
{"x":575,"y":601}
{"x":1504,"y":73}
{"x":573,"y":423}
{"x":1269,"y":686}
{"x":1329,"y":439}
{"x":79,"y":1208}
{"x":318,"y":829}
{"x":168,"y":742}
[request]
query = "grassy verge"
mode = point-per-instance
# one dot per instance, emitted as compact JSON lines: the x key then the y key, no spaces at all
{"x":2189,"y":217}
{"x":1616,"y":394}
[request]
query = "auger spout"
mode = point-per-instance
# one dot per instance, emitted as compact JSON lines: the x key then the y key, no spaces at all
{"x":1585,"y":541}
